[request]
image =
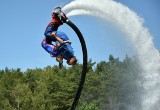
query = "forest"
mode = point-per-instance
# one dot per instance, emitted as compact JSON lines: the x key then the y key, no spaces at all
{"x":109,"y":85}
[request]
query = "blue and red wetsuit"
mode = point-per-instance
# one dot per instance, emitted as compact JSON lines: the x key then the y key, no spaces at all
{"x":65,"y":50}
{"x":47,"y":41}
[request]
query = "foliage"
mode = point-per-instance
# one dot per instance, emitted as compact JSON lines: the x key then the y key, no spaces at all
{"x":109,"y":85}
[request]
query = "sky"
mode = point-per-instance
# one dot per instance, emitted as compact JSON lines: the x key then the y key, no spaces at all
{"x":22,"y":26}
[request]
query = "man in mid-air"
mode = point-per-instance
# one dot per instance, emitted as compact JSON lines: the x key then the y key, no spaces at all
{"x":62,"y":49}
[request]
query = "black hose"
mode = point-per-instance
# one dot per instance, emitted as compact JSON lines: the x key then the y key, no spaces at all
{"x":84,"y":70}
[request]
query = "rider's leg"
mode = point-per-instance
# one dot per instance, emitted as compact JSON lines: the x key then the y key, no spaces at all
{"x":49,"y":48}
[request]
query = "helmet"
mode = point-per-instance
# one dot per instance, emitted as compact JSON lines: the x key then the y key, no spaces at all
{"x":56,"y":10}
{"x":59,"y":14}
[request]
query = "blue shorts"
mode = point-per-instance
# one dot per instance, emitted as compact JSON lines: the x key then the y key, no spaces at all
{"x":62,"y":35}
{"x":49,"y":48}
{"x":66,"y":51}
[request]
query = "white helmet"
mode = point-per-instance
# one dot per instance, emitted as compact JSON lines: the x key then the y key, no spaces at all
{"x":57,"y":10}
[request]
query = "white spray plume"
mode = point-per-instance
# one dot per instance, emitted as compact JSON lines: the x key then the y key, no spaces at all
{"x":132,"y":25}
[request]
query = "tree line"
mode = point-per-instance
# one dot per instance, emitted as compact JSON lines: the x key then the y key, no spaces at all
{"x":109,"y":85}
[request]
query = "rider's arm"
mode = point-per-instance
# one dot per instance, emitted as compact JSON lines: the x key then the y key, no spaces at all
{"x":57,"y":38}
{"x":60,"y":40}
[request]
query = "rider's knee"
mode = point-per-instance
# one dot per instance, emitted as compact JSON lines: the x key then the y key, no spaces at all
{"x":72,"y":61}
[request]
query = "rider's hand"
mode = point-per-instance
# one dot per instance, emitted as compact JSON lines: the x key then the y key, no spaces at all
{"x":68,"y":41}
{"x":53,"y":34}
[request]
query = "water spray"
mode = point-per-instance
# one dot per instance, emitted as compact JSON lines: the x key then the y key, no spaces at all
{"x":132,"y":26}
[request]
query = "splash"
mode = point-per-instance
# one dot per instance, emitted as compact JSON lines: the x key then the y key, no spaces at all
{"x":131,"y":25}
